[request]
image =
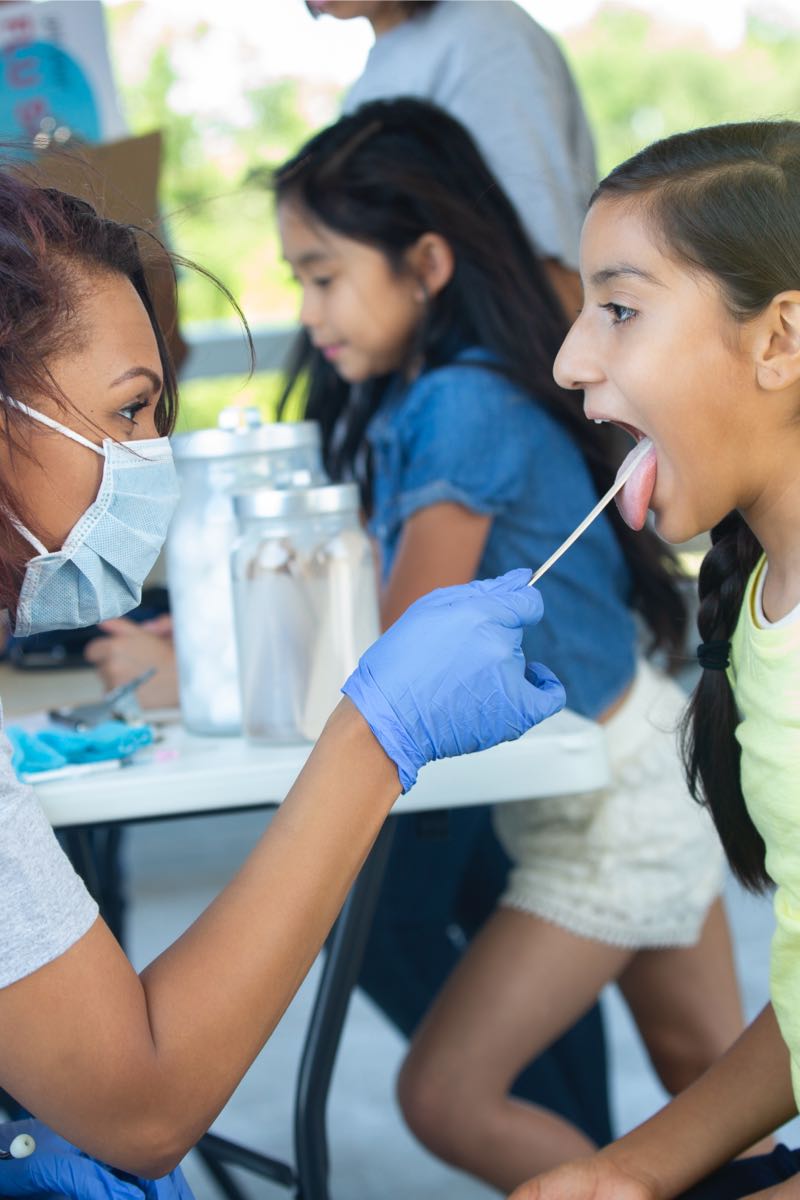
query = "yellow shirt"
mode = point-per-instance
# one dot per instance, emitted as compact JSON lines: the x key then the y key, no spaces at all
{"x":765,"y":676}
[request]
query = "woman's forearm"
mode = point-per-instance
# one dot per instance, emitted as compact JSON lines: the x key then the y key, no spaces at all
{"x":249,"y":951}
{"x":741,"y":1098}
{"x":135,"y":1070}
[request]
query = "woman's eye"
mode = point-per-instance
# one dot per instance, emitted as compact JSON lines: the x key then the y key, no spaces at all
{"x":130,"y":410}
{"x":620,"y":313}
{"x":321,"y":281}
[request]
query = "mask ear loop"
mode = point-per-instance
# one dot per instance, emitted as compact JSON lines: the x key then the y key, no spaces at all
{"x":56,"y":425}
{"x":43,"y":419}
{"x":38,"y":546}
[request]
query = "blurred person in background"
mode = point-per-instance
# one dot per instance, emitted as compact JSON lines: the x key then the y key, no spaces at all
{"x":496,"y":70}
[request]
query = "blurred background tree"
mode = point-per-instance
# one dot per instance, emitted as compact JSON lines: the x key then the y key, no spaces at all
{"x":641,"y":80}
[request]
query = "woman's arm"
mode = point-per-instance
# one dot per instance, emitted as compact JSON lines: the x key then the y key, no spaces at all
{"x":134,"y":1069}
{"x":743,"y":1097}
{"x":440,"y":546}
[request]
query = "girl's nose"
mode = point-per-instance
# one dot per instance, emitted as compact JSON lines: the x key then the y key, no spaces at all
{"x":575,"y":366}
{"x":309,"y":314}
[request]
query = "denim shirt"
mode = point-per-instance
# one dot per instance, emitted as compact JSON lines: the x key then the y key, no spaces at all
{"x":465,"y":435}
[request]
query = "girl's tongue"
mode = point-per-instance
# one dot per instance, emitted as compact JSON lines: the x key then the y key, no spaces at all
{"x":634,"y":499}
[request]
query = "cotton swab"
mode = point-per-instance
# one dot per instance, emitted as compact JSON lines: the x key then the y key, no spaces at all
{"x":617,"y":485}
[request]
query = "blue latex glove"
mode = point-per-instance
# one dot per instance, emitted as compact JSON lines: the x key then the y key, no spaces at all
{"x":29,"y":753}
{"x":57,"y":1168}
{"x":450,"y":677}
{"x":109,"y":739}
{"x":49,"y":749}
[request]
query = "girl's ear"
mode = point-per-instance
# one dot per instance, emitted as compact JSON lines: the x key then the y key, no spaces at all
{"x":777,"y":346}
{"x":431,"y":261}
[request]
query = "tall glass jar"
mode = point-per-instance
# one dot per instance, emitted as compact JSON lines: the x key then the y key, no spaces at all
{"x":306,"y":604}
{"x":212,"y":464}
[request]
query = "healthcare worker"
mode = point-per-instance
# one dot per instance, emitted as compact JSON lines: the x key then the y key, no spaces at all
{"x":133,"y":1068}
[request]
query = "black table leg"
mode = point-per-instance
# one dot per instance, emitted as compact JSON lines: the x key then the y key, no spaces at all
{"x":94,"y":852}
{"x":79,"y":848}
{"x":219,"y":1153}
{"x":339,"y":975}
{"x":345,"y":950}
{"x":218,"y":1171}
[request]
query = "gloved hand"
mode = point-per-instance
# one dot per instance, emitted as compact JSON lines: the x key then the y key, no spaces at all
{"x":57,"y":1168}
{"x":450,"y":677}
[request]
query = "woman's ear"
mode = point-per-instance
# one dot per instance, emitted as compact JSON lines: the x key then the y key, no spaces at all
{"x":777,"y":345}
{"x":431,"y":261}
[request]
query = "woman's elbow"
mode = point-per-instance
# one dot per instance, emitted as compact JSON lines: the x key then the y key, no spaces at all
{"x":150,"y":1146}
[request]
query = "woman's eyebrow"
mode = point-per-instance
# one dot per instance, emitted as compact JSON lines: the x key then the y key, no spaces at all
{"x":609,"y":273}
{"x":133,"y":372}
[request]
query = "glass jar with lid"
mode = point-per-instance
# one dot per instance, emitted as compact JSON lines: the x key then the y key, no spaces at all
{"x":212,"y":464}
{"x":306,"y":605}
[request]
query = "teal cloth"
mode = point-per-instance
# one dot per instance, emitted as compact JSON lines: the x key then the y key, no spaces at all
{"x":49,"y":749}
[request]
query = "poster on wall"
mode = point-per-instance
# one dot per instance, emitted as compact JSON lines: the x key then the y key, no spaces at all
{"x":56,"y":82}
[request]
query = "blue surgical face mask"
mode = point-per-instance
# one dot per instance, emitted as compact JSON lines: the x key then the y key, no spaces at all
{"x":99,"y":571}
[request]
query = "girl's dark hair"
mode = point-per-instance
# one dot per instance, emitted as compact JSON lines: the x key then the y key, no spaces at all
{"x":386,"y":175}
{"x":726,"y":201}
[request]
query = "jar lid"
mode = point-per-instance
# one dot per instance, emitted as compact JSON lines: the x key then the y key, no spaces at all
{"x":252,"y":503}
{"x":229,"y":443}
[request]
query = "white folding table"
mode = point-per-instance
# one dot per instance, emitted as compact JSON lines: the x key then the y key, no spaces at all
{"x":185,"y":775}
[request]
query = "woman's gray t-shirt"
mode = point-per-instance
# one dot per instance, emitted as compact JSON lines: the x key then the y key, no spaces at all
{"x":45,"y":905}
{"x":490,"y":65}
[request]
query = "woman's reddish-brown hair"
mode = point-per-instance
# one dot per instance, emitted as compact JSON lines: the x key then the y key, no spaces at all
{"x":48,"y":240}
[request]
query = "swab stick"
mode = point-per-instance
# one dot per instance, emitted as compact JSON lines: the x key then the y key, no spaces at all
{"x":622,"y":478}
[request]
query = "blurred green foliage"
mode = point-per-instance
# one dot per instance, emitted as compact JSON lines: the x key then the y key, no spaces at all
{"x":202,"y":399}
{"x":640,"y":80}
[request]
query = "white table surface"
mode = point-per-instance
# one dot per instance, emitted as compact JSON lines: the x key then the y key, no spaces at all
{"x":186,"y":774}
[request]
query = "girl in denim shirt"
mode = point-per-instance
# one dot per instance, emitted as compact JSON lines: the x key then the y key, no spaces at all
{"x":430,"y":335}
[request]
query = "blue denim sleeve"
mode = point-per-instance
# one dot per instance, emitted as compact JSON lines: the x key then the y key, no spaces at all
{"x":464,"y":437}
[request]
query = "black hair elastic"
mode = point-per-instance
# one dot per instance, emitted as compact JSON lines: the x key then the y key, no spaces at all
{"x":714,"y":656}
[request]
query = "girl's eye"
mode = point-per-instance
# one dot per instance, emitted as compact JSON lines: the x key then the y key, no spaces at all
{"x":130,"y":410}
{"x":321,"y":281}
{"x":620,"y":312}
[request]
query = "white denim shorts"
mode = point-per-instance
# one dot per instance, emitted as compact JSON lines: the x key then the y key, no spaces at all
{"x":637,"y":864}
